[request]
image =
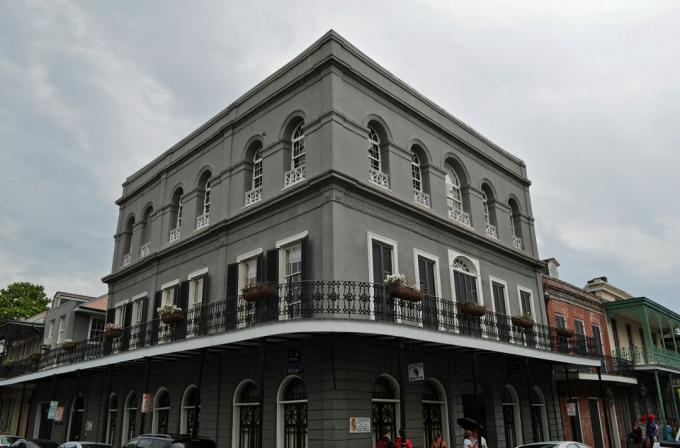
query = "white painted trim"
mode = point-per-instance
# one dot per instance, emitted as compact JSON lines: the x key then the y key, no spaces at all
{"x":368,"y":327}
{"x":452,"y":257}
{"x":531,"y":300}
{"x":608,"y":378}
{"x":236,"y":410}
{"x":140,"y":296}
{"x":506,"y":299}
{"x":291,"y":239}
{"x":248,"y":255}
{"x":516,"y":413}
{"x":183,"y":408}
{"x":155,"y":409}
{"x":198,"y":273}
{"x":170,"y":284}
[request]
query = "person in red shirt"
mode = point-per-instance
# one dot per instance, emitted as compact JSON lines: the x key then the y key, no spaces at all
{"x":385,"y":441}
{"x":397,"y":442}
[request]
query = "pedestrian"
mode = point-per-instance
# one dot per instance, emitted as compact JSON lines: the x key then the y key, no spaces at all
{"x":652,"y":430}
{"x":439,"y":441}
{"x":385,"y":441}
{"x":635,"y":435}
{"x":397,"y":442}
{"x":470,"y":440}
{"x":480,"y":438}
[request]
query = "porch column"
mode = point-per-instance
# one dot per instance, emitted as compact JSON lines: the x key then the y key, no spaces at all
{"x":662,"y":409}
{"x":675,"y":401}
{"x":605,"y":407}
{"x":146,"y":387}
{"x":648,"y":343}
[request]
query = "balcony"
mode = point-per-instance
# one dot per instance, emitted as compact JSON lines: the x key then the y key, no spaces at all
{"x":202,"y":221}
{"x":127,"y":259}
{"x":294,"y":177}
{"x":459,"y":215}
{"x":145,"y":250}
{"x":422,"y":198}
{"x":379,"y":178}
{"x":324,"y":301}
{"x":517,"y":243}
{"x":655,"y":356}
{"x":174,"y":235}
{"x":253,"y":196}
{"x":611,"y":365}
{"x":491,"y":231}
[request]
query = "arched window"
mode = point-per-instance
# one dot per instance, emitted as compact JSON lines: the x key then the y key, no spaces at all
{"x":377,"y":172}
{"x":111,"y":419}
{"x":489,"y":212}
{"x":203,"y":212}
{"x":127,"y":240}
{"x":296,"y":174}
{"x":454,"y":198}
{"x":129,"y":418}
{"x":384,"y":406}
{"x":76,"y":420}
{"x":146,"y":233}
{"x":465,"y":281}
{"x":511,"y":416}
{"x":539,"y":415}
{"x":434,"y":411}
{"x":161,"y":412}
{"x":191,"y":410}
{"x":292,"y":420}
{"x":246,"y":416}
{"x":176,"y":215}
{"x":420,"y":195}
{"x":254,"y":189}
{"x":515,"y":225}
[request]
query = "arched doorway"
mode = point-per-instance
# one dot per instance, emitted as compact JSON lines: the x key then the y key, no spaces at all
{"x":111,"y":419}
{"x":76,"y":420}
{"x":129,"y":418}
{"x":190,"y":412}
{"x":511,"y":416}
{"x":385,"y":406}
{"x":539,"y":415}
{"x":246,"y":416}
{"x":435,"y":420}
{"x":161,"y":412}
{"x":292,"y":404}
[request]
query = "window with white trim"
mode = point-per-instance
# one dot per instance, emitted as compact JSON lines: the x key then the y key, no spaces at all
{"x":60,"y":331}
{"x":50,"y":333}
{"x":525,"y":301}
{"x":416,"y":172}
{"x":465,"y":281}
{"x":196,"y":291}
{"x":485,"y":204}
{"x":137,"y":311}
{"x":248,"y":272}
{"x":178,"y":223}
{"x":257,"y":169}
{"x":206,"y":197}
{"x":292,"y":261}
{"x":168,"y":295}
{"x":453,"y":193}
{"x":96,"y":327}
{"x":374,"y":157}
{"x":298,"y":143}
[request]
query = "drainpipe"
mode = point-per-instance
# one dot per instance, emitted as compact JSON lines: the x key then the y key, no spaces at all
{"x":605,"y":408}
{"x":662,"y":408}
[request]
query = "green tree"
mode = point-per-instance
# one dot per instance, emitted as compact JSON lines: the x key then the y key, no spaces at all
{"x":20,"y":300}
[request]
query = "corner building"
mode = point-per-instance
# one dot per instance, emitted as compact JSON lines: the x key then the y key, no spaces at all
{"x":273,"y":227}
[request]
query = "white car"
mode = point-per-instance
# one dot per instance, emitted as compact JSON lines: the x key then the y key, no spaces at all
{"x":84,"y":444}
{"x":554,"y":444}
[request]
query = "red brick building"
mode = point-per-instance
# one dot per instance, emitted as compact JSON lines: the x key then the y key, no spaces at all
{"x":591,"y":405}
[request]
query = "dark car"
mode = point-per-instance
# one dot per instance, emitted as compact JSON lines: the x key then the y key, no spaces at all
{"x":169,"y":441}
{"x":34,"y":443}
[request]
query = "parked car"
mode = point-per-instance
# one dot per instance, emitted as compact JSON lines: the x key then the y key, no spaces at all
{"x":85,"y":444}
{"x":168,"y":441}
{"x":554,"y":444}
{"x":34,"y":443}
{"x":669,"y":443}
{"x":6,"y":440}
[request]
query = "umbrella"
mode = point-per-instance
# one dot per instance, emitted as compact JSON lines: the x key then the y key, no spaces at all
{"x":469,"y":423}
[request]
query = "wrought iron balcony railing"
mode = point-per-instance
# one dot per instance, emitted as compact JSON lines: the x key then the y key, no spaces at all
{"x":611,"y":365}
{"x":491,"y":230}
{"x":345,"y":300}
{"x":127,"y":259}
{"x":641,"y":356}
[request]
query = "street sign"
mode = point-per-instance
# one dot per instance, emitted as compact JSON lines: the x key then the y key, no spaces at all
{"x":294,"y":362}
{"x":416,"y":372}
{"x":147,"y":403}
{"x":359,"y":425}
{"x":52,"y":410}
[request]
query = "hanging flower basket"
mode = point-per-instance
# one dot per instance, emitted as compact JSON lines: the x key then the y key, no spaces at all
{"x":35,"y":357}
{"x":172,"y":317}
{"x":523,"y":322}
{"x":112,"y":331}
{"x":8,"y":364}
{"x":566,"y":333}
{"x":68,"y":344}
{"x":406,"y":293}
{"x":264,"y":291}
{"x":471,"y":309}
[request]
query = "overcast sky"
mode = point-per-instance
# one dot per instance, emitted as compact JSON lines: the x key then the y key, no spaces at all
{"x":586,"y":93}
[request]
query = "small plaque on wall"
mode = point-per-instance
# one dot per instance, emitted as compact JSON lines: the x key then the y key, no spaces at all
{"x":359,"y":425}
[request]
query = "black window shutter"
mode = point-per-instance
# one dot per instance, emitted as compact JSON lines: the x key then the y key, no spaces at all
{"x":231,"y":307}
{"x":206,"y":289}
{"x":200,"y":309}
{"x":155,"y":327}
{"x":273,"y":266}
{"x":108,"y":342}
{"x":422,"y":275}
{"x":305,"y":249}
{"x":183,"y":303}
{"x":143,"y":327}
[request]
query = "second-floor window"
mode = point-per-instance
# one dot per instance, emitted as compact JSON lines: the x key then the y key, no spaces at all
{"x":96,"y":327}
{"x":374,"y":158}
{"x":249,"y":272}
{"x":60,"y":330}
{"x":416,"y":173}
{"x":50,"y":332}
{"x":465,"y":281}
{"x":560,"y":321}
{"x":257,"y":169}
{"x":292,"y":257}
{"x":298,"y":152}
{"x":168,"y":295}
{"x":196,"y":291}
{"x":178,"y":223}
{"x":525,"y":301}
{"x":453,"y":194}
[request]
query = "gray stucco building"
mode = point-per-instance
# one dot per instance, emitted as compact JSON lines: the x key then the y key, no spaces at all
{"x":273,"y":228}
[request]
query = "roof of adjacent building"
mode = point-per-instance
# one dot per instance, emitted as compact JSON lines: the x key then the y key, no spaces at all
{"x":559,"y":289}
{"x":95,"y":304}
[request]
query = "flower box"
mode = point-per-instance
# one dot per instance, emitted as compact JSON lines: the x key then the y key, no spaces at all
{"x":471,"y":309}
{"x":523,"y":322}
{"x":566,"y":333}
{"x":254,"y":293}
{"x":8,"y":364}
{"x":172,"y":317}
{"x":68,"y":345}
{"x":35,"y":357}
{"x":406,"y":293}
{"x":113,"y":332}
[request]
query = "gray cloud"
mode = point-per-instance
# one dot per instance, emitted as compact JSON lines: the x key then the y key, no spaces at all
{"x":587,"y":93}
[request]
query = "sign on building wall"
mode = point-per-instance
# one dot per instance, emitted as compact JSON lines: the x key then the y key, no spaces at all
{"x":59,"y":414}
{"x":52,"y":410}
{"x":416,"y":372}
{"x":147,"y":403}
{"x":359,"y":425}
{"x":571,"y":409}
{"x":294,"y":362}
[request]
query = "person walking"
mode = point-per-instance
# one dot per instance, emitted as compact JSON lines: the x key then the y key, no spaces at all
{"x":635,"y":436}
{"x":385,"y":441}
{"x":470,"y":440}
{"x":397,"y":442}
{"x":439,"y":441}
